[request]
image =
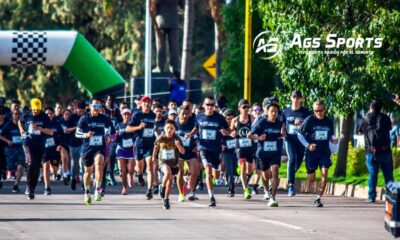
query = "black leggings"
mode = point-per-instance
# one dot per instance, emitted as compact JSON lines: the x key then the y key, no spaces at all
{"x":33,"y":170}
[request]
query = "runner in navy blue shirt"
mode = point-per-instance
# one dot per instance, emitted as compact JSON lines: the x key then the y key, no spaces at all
{"x":52,"y":153}
{"x":92,"y":128}
{"x":293,"y":116}
{"x":36,"y":126}
{"x":210,"y":127}
{"x":14,"y":152}
{"x":315,"y":134}
{"x":3,"y":164}
{"x":241,"y":126}
{"x":124,"y":153}
{"x":142,"y":124}
{"x":184,"y":126}
{"x":269,"y":147}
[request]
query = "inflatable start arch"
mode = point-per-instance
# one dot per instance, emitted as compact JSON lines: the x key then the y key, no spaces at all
{"x":61,"y":48}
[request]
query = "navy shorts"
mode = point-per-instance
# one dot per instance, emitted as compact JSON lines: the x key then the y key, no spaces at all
{"x":174,"y":169}
{"x":314,"y":161}
{"x":52,"y":156}
{"x":143,"y":152}
{"x":264,"y":163}
{"x":88,"y":159}
{"x":247,"y":154}
{"x":210,"y":158}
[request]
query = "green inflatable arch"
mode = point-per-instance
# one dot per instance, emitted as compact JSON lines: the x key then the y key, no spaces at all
{"x":61,"y":48}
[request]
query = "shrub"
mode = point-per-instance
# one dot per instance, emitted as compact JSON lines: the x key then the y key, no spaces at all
{"x":356,"y":165}
{"x":396,"y":157}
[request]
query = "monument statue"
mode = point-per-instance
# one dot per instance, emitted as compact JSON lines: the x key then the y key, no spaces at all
{"x":165,"y":19}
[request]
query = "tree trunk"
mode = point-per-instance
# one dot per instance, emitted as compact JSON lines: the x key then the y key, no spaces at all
{"x":347,"y":134}
{"x":216,"y":8}
{"x":186,"y":67}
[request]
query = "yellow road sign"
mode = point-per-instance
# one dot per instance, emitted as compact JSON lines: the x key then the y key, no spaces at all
{"x":211,"y":65}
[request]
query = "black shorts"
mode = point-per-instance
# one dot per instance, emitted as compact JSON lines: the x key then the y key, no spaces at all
{"x":143,"y":152}
{"x":88,"y":159}
{"x":246,"y":154}
{"x":174,"y":169}
{"x":264,"y":163}
{"x":210,"y":158}
{"x":313,"y":161}
{"x":53,"y":157}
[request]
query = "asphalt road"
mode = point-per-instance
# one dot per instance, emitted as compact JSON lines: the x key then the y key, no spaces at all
{"x":63,"y":215}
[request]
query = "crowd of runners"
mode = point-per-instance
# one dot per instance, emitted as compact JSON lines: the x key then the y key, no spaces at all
{"x":85,"y":143}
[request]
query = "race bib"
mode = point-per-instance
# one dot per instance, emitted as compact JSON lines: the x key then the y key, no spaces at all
{"x":244,"y":142}
{"x":321,"y":135}
{"x":96,"y":141}
{"x":50,"y":142}
{"x":64,"y":128}
{"x":185,"y":141}
{"x":208,"y":134}
{"x":16,"y":139}
{"x":148,"y":132}
{"x":230,"y":144}
{"x":33,"y":131}
{"x":293,"y":129}
{"x":270,"y":146}
{"x":167,"y":154}
{"x":126,"y":143}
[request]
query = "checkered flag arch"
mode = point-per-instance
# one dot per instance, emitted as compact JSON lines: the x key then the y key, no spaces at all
{"x":29,"y":48}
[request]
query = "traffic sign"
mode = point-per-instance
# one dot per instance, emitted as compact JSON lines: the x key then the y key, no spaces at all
{"x":210,"y":65}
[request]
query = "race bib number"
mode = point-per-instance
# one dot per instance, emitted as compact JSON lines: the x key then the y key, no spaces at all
{"x":148,"y":132}
{"x":96,"y":141}
{"x":244,"y":142}
{"x":33,"y":131}
{"x":208,"y":134}
{"x":321,"y":135}
{"x":270,"y":146}
{"x":293,"y":129}
{"x":50,"y":142}
{"x":16,"y":139}
{"x":185,"y":141}
{"x":230,"y":144}
{"x":167,"y":154}
{"x":126,"y":143}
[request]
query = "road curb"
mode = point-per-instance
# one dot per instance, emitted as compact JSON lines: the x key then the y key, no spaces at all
{"x":335,"y":189}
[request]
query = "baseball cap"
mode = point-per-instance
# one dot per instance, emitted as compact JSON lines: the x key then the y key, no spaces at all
{"x":36,"y":104}
{"x":273,"y":98}
{"x":266,"y":102}
{"x":126,"y":110}
{"x":172,"y":112}
{"x":297,"y":94}
{"x":243,"y":102}
{"x":145,"y":98}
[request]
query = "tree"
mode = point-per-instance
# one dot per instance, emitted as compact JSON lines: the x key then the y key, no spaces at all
{"x":230,"y":84}
{"x":347,"y":82}
{"x":186,"y":68}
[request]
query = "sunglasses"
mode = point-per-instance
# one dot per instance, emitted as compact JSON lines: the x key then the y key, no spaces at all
{"x":245,"y":107}
{"x":257,"y":110}
{"x":96,"y":106}
{"x":210,"y":104}
{"x":319,"y":110}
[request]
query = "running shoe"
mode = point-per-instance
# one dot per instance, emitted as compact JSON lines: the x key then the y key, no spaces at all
{"x":166,"y":203}
{"x":266,"y":196}
{"x":155,"y":190}
{"x":291,"y":191}
{"x":73,"y":184}
{"x":1,"y":184}
{"x":47,"y":191}
{"x":231,"y":193}
{"x":65,"y":180}
{"x":141,"y":180}
{"x":124,"y":191}
{"x":88,"y":199}
{"x":97,"y":196}
{"x":213,"y":203}
{"x":111,"y":179}
{"x":149,"y":194}
{"x":181,"y":197}
{"x":318,"y":203}
{"x":192,"y":196}
{"x":31,"y":196}
{"x":254,"y":191}
{"x":272,"y":203}
{"x":247,"y":194}
{"x":161,"y":191}
{"x":15,"y":189}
